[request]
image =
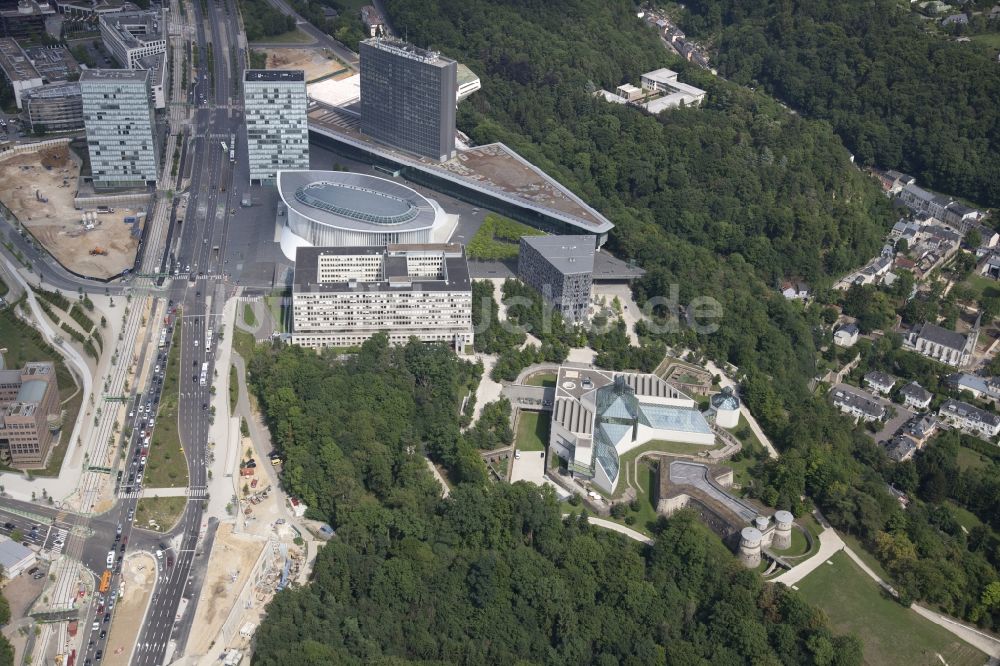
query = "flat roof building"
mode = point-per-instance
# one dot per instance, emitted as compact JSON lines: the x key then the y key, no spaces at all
{"x":29,"y":413}
{"x":341,"y":296}
{"x":275,"y":104}
{"x":26,"y":19}
{"x":18,"y":69}
{"x":408,"y":97}
{"x":118,"y":115}
{"x":54,"y":108}
{"x":55,"y":64}
{"x":675,"y":93}
{"x":138,"y":40}
{"x":15,"y":559}
{"x":561,"y":269}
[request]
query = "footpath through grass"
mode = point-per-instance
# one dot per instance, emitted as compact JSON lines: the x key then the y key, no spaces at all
{"x":166,"y":466}
{"x":891,"y":634}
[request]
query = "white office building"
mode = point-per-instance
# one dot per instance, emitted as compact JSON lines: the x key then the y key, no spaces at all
{"x":138,"y":40}
{"x":277,"y":130}
{"x":341,"y":296}
{"x":121,"y":136}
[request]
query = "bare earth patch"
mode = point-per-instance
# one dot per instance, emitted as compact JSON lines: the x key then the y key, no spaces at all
{"x":50,"y":174}
{"x":316,"y":62}
{"x":139,"y":573}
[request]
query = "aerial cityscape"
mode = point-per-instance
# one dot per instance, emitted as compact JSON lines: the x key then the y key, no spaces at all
{"x":494,"y":332}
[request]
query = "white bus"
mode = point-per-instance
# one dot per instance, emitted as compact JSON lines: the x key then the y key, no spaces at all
{"x":204,"y":374}
{"x":208,"y":341}
{"x":163,"y":338}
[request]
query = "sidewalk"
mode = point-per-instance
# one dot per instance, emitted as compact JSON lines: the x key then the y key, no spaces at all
{"x":724,"y":381}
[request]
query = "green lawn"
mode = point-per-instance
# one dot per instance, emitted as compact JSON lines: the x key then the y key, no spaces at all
{"x":989,"y":39}
{"x":163,"y":511}
{"x":890,"y":633}
{"x":866,"y":556}
{"x":248,"y":315}
{"x":965,"y":518}
{"x":291,"y":37}
{"x":167,"y":465}
{"x":25,"y":344}
{"x":234,"y":389}
{"x":533,"y":431}
{"x":969,"y":459}
{"x":645,"y":518}
{"x":980,"y":286}
{"x":547,"y":379}
{"x":498,"y":238}
{"x":243,"y":344}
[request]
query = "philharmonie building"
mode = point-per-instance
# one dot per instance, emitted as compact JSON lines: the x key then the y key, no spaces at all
{"x":343,"y":209}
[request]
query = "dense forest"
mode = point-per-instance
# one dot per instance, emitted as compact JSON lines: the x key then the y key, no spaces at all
{"x":493,"y":575}
{"x":718,"y":201}
{"x":900,"y":95}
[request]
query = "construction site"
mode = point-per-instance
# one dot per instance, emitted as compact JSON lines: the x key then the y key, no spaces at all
{"x":40,"y":189}
{"x":317,"y":63}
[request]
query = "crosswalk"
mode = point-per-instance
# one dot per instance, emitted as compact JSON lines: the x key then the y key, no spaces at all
{"x":134,"y":493}
{"x":200,"y":491}
{"x":59,"y":541}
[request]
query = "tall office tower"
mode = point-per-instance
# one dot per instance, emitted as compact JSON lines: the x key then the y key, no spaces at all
{"x":121,"y":134}
{"x":277,"y":131}
{"x":408,"y":97}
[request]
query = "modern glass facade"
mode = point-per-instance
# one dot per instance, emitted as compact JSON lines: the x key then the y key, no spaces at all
{"x":120,"y":127}
{"x":408,"y":97}
{"x":275,"y":112}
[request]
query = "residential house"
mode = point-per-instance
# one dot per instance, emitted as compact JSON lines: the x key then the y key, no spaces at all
{"x":970,"y":419}
{"x":858,"y":405}
{"x":961,"y":216}
{"x":941,"y":344}
{"x":920,"y":428}
{"x":990,"y":267}
{"x":955,"y":19}
{"x":846,"y":335}
{"x":916,"y":198}
{"x":795,"y":291}
{"x":879,"y":382}
{"x":916,"y":396}
{"x":893,"y":181}
{"x":901,"y":448}
{"x":987,"y":388}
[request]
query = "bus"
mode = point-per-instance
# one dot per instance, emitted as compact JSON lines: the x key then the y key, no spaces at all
{"x":232,"y":147}
{"x":105,"y":581}
{"x":225,"y":148}
{"x":204,"y":374}
{"x":208,"y":341}
{"x":163,"y":338}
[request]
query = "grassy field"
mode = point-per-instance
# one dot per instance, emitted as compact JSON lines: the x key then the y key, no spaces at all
{"x":243,"y":344}
{"x":532,"y":431}
{"x":291,"y":37}
{"x":890,"y":633}
{"x":547,"y":379}
{"x":498,"y":238}
{"x":969,"y":459}
{"x":980,"y":286}
{"x":167,"y":466}
{"x":988,"y":39}
{"x":163,"y":511}
{"x":248,"y":315}
{"x":965,"y":518}
{"x":25,"y":344}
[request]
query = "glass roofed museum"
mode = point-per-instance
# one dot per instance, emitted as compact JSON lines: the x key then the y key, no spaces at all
{"x":342,"y":209}
{"x":599,"y":415}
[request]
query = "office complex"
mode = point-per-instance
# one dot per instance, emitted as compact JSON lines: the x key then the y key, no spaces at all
{"x":138,"y":40}
{"x":26,"y":20}
{"x":275,"y":112}
{"x":17,"y":69}
{"x":353,"y":209}
{"x":54,"y":108}
{"x":29,"y":412}
{"x":561,"y":268}
{"x":120,"y":128}
{"x":341,"y":296}
{"x":408,"y":97}
{"x":600,"y":415}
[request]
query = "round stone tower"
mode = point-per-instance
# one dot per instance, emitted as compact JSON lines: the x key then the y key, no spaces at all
{"x":750,"y":539}
{"x":782,"y":530}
